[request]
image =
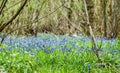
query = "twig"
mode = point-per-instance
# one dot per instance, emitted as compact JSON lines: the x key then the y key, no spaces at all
{"x":49,"y":13}
{"x":12,"y":6}
{"x":32,"y":22}
{"x":5,"y":24}
{"x":2,"y":6}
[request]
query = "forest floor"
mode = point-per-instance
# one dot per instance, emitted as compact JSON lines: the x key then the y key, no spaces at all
{"x":48,"y":53}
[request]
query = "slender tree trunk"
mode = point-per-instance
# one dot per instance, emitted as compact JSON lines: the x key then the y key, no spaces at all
{"x":95,"y":47}
{"x":90,"y":7}
{"x":105,"y":18}
{"x":70,"y":7}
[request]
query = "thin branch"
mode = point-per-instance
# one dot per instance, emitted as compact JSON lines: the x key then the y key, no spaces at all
{"x":2,"y":6}
{"x":5,"y":24}
{"x":49,"y":13}
{"x":12,"y":6}
{"x":32,"y":22}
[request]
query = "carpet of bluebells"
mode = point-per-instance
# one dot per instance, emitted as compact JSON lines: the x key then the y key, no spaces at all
{"x":49,"y":53}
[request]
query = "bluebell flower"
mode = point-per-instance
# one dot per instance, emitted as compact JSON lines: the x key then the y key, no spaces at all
{"x":104,"y":38}
{"x":10,"y":48}
{"x":0,"y":39}
{"x":63,"y":40}
{"x":47,"y":51}
{"x":88,"y":66}
{"x":53,"y":49}
{"x":115,"y":51}
{"x":81,"y":48}
{"x":112,"y":40}
{"x":29,"y":50}
{"x":84,"y":39}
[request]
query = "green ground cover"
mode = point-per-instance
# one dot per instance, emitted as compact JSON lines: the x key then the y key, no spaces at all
{"x":48,"y":53}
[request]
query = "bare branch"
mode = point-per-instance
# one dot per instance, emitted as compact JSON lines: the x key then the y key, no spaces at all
{"x":5,"y":24}
{"x":32,"y":22}
{"x":2,"y":6}
{"x":12,"y":6}
{"x":49,"y":13}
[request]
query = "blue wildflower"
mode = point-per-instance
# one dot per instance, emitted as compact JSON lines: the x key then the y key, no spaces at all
{"x":115,"y":51}
{"x":88,"y":66}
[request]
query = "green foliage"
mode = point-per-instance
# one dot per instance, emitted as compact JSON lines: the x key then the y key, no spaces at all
{"x":12,"y":61}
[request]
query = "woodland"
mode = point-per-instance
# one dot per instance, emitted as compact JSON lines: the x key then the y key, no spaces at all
{"x":59,"y":36}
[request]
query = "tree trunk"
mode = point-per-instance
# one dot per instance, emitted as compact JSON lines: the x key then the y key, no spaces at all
{"x":90,"y":7}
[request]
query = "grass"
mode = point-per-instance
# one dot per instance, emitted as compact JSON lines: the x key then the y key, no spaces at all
{"x":48,"y":53}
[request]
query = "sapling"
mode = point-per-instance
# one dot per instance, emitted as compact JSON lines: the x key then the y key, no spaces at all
{"x":95,"y":47}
